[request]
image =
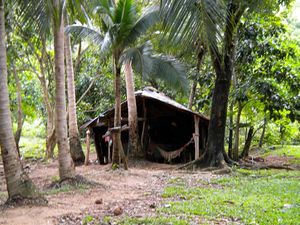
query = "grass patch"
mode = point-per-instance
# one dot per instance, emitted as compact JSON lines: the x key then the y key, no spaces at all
{"x":32,"y":147}
{"x":153,"y":221}
{"x":251,"y":197}
{"x":67,"y":188}
{"x":35,"y":147}
{"x":287,"y":150}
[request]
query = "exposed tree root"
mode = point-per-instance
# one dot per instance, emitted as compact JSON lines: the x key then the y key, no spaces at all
{"x":17,"y":201}
{"x":73,"y":182}
{"x":260,"y":167}
{"x":192,"y":164}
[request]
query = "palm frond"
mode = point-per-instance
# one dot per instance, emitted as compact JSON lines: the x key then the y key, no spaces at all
{"x":170,"y":71}
{"x":83,"y":31}
{"x":185,"y":20}
{"x":146,"y":20}
{"x":157,"y":67}
{"x":106,"y":43}
{"x":125,"y":17}
{"x":37,"y":14}
{"x":140,"y":57}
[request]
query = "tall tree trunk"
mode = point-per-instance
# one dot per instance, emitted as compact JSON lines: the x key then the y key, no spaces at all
{"x":237,"y":133}
{"x":66,"y":165}
{"x":192,"y":94}
{"x":51,"y":136}
{"x":117,"y":116}
{"x":230,"y":138}
{"x":223,"y":65}
{"x":133,"y":146}
{"x":74,"y":137}
{"x":200,"y":57}
{"x":18,"y":183}
{"x":78,"y":59}
{"x":216,"y":128}
{"x":245,"y":152}
{"x":19,"y":104}
{"x":263,"y":133}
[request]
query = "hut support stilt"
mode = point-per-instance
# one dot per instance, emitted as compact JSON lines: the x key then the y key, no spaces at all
{"x":87,"y":154}
{"x":196,"y":137}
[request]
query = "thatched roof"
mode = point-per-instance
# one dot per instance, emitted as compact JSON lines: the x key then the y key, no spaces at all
{"x":148,"y":93}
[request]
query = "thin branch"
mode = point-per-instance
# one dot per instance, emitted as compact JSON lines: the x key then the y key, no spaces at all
{"x":88,"y":89}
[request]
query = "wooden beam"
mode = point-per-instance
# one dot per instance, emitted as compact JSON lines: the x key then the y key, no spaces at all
{"x":139,"y":119}
{"x":87,"y":154}
{"x":144,"y":125}
{"x":196,"y":137}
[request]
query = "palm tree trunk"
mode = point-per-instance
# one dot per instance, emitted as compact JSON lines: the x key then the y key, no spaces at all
{"x":223,"y":66}
{"x":117,"y":116}
{"x":18,"y":183}
{"x":74,"y":138}
{"x":66,"y":165}
{"x":133,"y":145}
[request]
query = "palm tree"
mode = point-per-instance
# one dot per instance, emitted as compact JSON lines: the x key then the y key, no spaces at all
{"x":218,"y":21}
{"x":121,"y":27}
{"x":66,"y":165}
{"x":18,"y":183}
{"x":41,"y":14}
{"x":186,"y":19}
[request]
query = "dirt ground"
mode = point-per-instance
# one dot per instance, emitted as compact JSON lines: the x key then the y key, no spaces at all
{"x":137,"y":191}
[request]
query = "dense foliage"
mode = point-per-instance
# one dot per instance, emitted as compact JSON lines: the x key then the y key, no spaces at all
{"x":266,"y":81}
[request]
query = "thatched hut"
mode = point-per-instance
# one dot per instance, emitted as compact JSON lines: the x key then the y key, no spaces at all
{"x":168,"y":130}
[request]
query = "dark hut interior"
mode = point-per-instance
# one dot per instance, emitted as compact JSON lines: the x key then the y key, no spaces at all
{"x":168,"y":131}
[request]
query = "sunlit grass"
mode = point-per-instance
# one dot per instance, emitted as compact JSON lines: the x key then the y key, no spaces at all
{"x":286,"y":150}
{"x":32,"y":147}
{"x":251,"y":197}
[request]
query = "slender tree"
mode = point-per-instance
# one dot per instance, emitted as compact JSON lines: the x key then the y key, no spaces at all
{"x":121,"y":29}
{"x":74,"y":137}
{"x":66,"y":165}
{"x":19,"y":186}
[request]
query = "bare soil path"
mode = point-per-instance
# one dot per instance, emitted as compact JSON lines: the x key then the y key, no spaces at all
{"x":137,"y":191}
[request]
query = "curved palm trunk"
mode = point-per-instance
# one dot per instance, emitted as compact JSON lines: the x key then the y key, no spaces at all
{"x":66,"y":165}
{"x":133,"y":145}
{"x":18,"y":183}
{"x":74,"y":138}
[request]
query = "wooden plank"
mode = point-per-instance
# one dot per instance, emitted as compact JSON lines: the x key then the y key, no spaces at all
{"x":196,"y":137}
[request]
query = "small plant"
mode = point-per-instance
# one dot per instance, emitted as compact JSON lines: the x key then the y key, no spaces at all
{"x":114,"y":166}
{"x":87,"y":219}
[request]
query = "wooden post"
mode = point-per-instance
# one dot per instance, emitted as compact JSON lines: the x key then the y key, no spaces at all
{"x":144,"y":125}
{"x":203,"y":137}
{"x":196,"y":137}
{"x":87,"y":154}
